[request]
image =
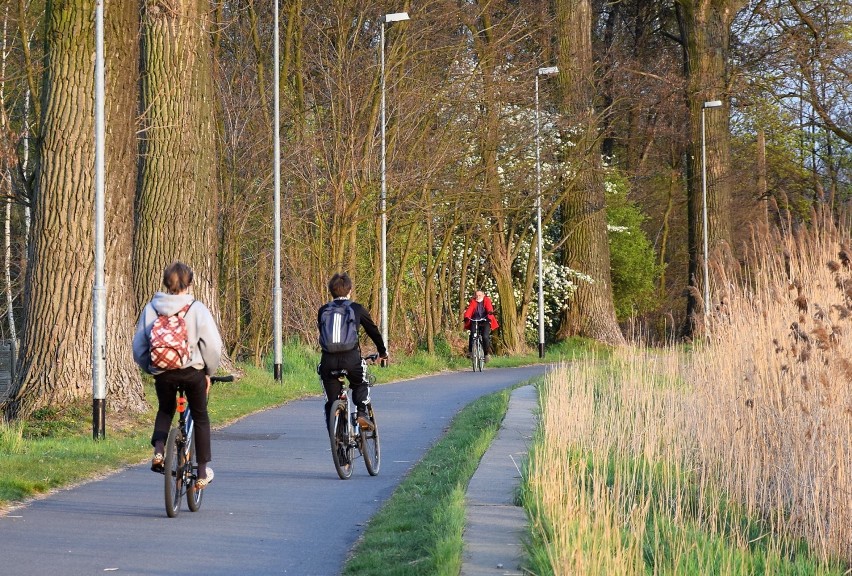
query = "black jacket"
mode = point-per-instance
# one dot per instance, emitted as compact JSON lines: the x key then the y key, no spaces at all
{"x":363,"y":319}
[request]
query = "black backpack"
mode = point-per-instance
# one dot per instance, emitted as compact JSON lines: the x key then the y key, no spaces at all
{"x":338,"y":327}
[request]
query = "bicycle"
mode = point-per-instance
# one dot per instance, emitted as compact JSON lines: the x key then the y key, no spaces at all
{"x":477,"y":353}
{"x":348,"y":438}
{"x":180,"y":466}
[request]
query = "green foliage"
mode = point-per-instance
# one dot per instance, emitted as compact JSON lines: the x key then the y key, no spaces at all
{"x":632,"y":258}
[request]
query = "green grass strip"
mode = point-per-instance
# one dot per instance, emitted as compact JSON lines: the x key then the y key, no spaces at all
{"x":419,"y":530}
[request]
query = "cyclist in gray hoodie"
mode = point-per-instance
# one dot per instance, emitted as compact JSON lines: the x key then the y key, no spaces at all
{"x":192,"y":366}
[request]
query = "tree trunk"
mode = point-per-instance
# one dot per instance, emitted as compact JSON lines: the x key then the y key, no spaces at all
{"x":55,"y":360}
{"x":177,"y":203}
{"x":705,"y":30}
{"x":121,"y":36}
{"x":591,"y":311}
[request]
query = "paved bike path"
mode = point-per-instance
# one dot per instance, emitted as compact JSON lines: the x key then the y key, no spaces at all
{"x":276,"y":506}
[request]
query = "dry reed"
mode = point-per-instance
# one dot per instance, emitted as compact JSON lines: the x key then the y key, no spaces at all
{"x":776,"y":388}
{"x":753,"y":424}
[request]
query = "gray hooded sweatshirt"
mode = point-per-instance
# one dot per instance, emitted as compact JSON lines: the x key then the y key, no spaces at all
{"x":205,"y":343}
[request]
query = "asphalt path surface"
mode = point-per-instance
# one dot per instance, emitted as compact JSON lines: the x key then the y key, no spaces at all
{"x":276,"y":506}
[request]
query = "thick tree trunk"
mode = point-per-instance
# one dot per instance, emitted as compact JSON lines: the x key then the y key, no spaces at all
{"x":591,"y":311}
{"x":705,"y":29}
{"x":177,"y":203}
{"x":56,"y":351}
{"x":121,"y":35}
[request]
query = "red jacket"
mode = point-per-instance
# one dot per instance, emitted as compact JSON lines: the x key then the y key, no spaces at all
{"x":489,"y":310}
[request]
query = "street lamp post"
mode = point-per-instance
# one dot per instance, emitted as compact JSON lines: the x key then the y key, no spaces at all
{"x":99,"y":289}
{"x":388,"y":18}
{"x":548,"y":71}
{"x":276,"y":290}
{"x":705,"y":106}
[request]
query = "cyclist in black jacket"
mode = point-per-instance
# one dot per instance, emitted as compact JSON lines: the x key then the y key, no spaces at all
{"x":340,"y":287}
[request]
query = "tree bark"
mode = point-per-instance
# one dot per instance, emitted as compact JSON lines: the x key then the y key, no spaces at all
{"x":121,"y":37}
{"x":177,"y":202}
{"x":56,"y":351}
{"x":591,"y":311}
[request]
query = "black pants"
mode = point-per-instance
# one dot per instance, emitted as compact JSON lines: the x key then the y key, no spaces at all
{"x":195,"y":385}
{"x":485,"y":332}
{"x":352,"y":363}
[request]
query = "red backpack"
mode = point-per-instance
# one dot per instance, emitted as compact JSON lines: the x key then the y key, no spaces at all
{"x":170,"y":340}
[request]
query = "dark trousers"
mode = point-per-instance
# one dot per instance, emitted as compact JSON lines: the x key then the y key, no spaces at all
{"x":485,"y":332}
{"x":195,"y":385}
{"x":352,"y":363}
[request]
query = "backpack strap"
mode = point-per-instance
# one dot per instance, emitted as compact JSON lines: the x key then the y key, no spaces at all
{"x":183,"y":311}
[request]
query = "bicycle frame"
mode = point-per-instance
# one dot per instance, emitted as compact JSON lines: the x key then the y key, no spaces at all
{"x":181,"y":467}
{"x":348,"y":438}
{"x":186,"y":426}
{"x":474,"y":327}
{"x":353,"y":429}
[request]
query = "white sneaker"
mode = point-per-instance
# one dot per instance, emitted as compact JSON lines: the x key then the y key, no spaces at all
{"x":203,"y":483}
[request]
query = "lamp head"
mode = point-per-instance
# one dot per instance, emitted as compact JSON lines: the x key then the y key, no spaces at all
{"x":396,"y":17}
{"x":712,"y":104}
{"x":548,"y":71}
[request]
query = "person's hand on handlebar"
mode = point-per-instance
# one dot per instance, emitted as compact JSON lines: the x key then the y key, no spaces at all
{"x":207,"y":376}
{"x":383,"y":361}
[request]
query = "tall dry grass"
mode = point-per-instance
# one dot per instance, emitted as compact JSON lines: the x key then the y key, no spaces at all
{"x":719,"y":460}
{"x":775,"y":388}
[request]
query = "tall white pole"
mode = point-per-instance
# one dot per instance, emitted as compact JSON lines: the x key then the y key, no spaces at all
{"x":538,"y":227}
{"x":704,"y":214}
{"x":99,"y":292}
{"x":386,"y":19}
{"x":548,"y":71}
{"x":383,"y":206}
{"x":277,"y":306}
{"x":705,"y":106}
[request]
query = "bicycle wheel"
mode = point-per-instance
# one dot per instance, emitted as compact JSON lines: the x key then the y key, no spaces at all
{"x":339,"y":436}
{"x":478,"y":355}
{"x":370,"y":447}
{"x":193,"y":496}
{"x":174,"y":473}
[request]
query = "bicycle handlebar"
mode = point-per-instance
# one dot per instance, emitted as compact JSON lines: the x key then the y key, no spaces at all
{"x":227,"y":378}
{"x":479,"y":319}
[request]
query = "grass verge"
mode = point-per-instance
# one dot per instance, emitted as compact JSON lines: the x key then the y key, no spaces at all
{"x":419,"y":530}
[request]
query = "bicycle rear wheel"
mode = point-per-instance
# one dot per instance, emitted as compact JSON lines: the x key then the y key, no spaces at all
{"x":193,"y":496}
{"x":370,"y":447}
{"x":339,"y":436}
{"x":174,"y":473}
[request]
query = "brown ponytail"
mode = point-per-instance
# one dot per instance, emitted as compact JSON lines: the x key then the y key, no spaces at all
{"x":177,"y":277}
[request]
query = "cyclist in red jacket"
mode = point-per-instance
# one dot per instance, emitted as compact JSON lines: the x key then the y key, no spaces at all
{"x":480,"y":308}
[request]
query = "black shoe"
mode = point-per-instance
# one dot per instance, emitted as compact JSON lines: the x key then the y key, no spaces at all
{"x":364,"y":420}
